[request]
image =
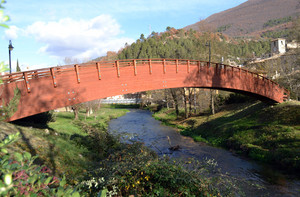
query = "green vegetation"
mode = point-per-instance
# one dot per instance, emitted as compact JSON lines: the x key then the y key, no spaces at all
{"x":223,"y":28}
{"x":274,"y":22}
{"x":136,"y":170}
{"x":279,"y":33}
{"x":276,"y":34}
{"x":122,"y":106}
{"x":190,"y":44}
{"x":94,"y":162}
{"x":23,"y":178}
{"x":65,"y":146}
{"x":270,"y":134}
{"x":7,"y":110}
{"x":3,"y":18}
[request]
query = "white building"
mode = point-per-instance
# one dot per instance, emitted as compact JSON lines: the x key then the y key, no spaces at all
{"x":278,"y":46}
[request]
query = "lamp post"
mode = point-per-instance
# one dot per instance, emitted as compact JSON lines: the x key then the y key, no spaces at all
{"x":209,"y":54}
{"x":10,"y":48}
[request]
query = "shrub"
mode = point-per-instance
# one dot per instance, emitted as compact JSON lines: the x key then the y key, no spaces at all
{"x":136,"y":170}
{"x":20,"y":177}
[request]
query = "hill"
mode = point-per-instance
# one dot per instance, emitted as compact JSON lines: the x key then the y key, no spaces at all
{"x":251,"y":18}
{"x":182,"y":44}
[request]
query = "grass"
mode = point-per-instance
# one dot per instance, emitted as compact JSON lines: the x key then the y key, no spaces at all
{"x":121,"y":106}
{"x":57,"y":143}
{"x":95,"y":163}
{"x":265,"y":133}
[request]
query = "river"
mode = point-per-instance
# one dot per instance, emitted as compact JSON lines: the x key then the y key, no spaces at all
{"x":141,"y":126}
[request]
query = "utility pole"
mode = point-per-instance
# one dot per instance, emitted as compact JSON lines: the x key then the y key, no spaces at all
{"x":208,"y":44}
{"x":212,"y":99}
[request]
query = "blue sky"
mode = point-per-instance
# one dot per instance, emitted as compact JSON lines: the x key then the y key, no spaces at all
{"x":45,"y":32}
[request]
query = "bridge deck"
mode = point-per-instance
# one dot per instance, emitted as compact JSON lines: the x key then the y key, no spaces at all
{"x":50,"y":88}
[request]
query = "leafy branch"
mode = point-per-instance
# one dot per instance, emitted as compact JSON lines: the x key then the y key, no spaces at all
{"x":3,"y":18}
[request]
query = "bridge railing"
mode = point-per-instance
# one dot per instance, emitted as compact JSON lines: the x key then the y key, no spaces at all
{"x":46,"y":72}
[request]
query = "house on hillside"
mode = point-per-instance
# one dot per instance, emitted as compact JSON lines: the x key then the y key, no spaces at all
{"x":278,"y":46}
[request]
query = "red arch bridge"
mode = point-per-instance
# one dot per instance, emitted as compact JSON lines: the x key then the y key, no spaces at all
{"x":51,"y":88}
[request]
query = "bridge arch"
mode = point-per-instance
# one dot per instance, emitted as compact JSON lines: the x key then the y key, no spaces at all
{"x":51,"y":88}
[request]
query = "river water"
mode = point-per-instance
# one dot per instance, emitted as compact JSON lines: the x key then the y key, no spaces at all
{"x":141,"y":126}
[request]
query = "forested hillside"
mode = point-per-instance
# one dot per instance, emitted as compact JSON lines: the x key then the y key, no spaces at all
{"x":190,"y":44}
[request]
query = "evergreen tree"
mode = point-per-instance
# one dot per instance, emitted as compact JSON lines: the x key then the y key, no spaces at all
{"x":190,"y":44}
{"x":142,"y":37}
{"x":18,"y":69}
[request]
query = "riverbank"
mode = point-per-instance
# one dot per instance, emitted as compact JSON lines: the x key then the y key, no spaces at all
{"x":269,"y":134}
{"x":96,"y":163}
{"x":60,"y":143}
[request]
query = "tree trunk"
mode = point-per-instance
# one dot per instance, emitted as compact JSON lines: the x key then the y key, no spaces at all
{"x":167,"y":100}
{"x":195,"y":102}
{"x":87,"y":110}
{"x":173,"y":93}
{"x":212,"y":102}
{"x":190,"y":100}
{"x":75,"y":110}
{"x":185,"y":103}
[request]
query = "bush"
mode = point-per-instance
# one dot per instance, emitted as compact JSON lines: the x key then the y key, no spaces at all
{"x":136,"y":170}
{"x":98,"y":140}
{"x":20,"y":177}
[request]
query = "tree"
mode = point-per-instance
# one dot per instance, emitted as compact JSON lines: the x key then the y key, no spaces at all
{"x":9,"y":108}
{"x":212,"y":101}
{"x":175,"y":99}
{"x":75,"y":109}
{"x":190,"y":99}
{"x":169,"y":28}
{"x":185,"y":101}
{"x":295,"y":33}
{"x":18,"y":69}
{"x":142,"y":37}
{"x":3,"y":18}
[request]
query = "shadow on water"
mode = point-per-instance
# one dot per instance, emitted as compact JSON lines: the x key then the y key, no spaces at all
{"x":139,"y":125}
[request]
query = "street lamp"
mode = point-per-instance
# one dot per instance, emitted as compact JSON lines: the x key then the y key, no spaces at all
{"x":10,"y":48}
{"x":209,"y":45}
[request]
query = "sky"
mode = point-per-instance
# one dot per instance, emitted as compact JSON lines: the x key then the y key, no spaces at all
{"x":46,"y":32}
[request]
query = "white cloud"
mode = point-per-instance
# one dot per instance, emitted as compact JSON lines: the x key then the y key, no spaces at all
{"x":82,"y":39}
{"x":11,"y":33}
